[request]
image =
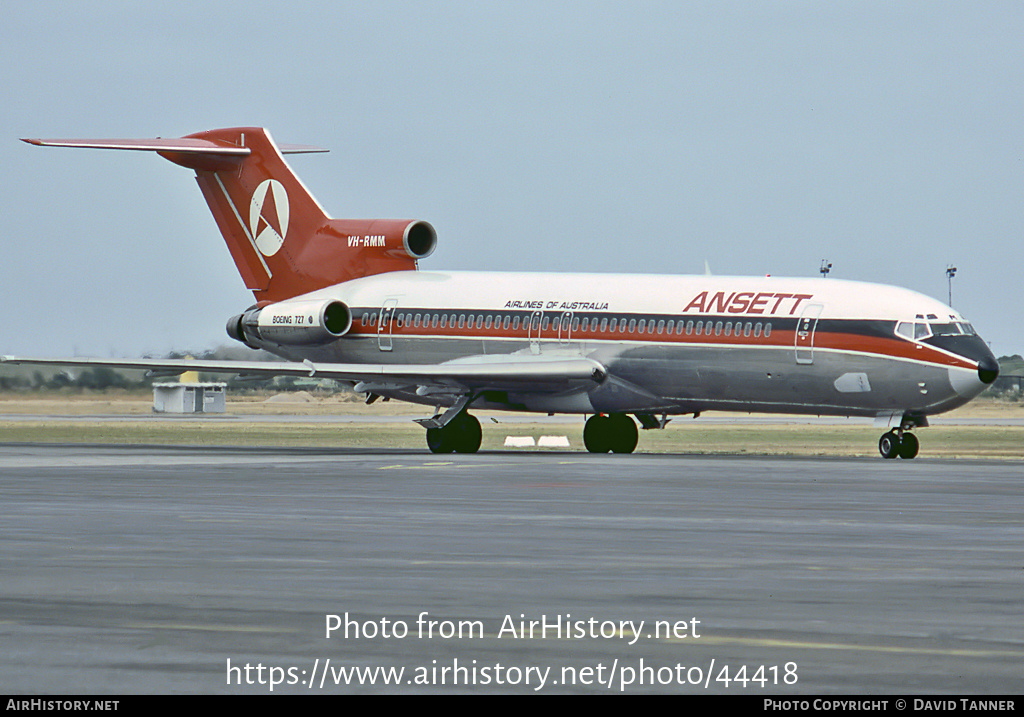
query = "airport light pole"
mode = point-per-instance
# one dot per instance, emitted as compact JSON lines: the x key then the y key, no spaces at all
{"x":826,"y":267}
{"x":950,"y":273}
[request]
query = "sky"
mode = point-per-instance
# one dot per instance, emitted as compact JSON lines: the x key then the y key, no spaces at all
{"x":643,"y":137}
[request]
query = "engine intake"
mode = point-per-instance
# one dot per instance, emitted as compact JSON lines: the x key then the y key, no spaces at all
{"x":419,"y":239}
{"x":292,"y":322}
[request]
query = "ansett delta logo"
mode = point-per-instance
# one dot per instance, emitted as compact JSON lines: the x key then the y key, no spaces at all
{"x":268,"y":216}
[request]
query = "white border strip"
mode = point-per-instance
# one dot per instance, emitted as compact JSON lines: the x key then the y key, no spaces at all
{"x":245,"y":229}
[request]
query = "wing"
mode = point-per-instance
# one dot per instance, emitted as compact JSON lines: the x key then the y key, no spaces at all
{"x":460,"y":377}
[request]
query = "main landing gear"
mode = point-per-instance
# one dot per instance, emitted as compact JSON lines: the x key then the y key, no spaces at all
{"x":615,"y":432}
{"x":898,"y":442}
{"x":460,"y":435}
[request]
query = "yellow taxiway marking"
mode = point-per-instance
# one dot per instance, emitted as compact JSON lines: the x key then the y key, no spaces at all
{"x":839,"y":646}
{"x":421,"y":466}
{"x":206,"y":628}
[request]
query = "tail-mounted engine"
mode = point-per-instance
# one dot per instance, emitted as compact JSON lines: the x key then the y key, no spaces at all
{"x":292,"y":322}
{"x":400,"y":239}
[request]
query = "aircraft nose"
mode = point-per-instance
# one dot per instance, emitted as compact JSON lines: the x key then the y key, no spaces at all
{"x":968,"y":383}
{"x":988,"y":369}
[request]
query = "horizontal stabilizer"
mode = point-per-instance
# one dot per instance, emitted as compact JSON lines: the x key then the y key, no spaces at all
{"x":188,"y":145}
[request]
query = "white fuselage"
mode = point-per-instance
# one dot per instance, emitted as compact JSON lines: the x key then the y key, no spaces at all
{"x":672,"y":344}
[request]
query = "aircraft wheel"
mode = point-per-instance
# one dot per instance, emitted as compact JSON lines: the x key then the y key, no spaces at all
{"x":466,"y":433}
{"x":889,"y":444}
{"x":596,"y":434}
{"x":439,"y":440}
{"x":623,"y":435}
{"x":909,"y":446}
{"x":462,"y":435}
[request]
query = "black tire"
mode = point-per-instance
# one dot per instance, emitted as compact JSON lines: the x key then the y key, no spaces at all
{"x":439,"y":440}
{"x":909,"y":446}
{"x":466,"y":434}
{"x":889,"y":445}
{"x":596,"y":434}
{"x":623,"y":433}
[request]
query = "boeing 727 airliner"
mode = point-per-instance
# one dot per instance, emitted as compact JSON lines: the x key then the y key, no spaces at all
{"x":345,"y":299}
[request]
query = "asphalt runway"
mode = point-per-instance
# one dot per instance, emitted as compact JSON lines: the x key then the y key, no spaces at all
{"x":140,"y":570}
{"x":561,"y":419}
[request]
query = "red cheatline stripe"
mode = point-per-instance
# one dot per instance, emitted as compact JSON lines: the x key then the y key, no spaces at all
{"x":886,"y":347}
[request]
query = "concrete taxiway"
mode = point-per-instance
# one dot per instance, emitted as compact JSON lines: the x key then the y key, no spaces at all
{"x":147,"y":570}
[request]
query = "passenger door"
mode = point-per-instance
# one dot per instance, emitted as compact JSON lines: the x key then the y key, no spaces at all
{"x":533,"y":331}
{"x":387,"y":315}
{"x":805,"y":328}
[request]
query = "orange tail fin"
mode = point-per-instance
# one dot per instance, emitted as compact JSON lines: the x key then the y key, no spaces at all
{"x":283,"y":242}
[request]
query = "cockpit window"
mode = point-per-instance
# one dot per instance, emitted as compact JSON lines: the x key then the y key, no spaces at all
{"x":920,"y":330}
{"x":949,"y":329}
{"x":915,"y":331}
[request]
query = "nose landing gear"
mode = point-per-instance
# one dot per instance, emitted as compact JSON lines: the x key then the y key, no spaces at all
{"x":898,"y":442}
